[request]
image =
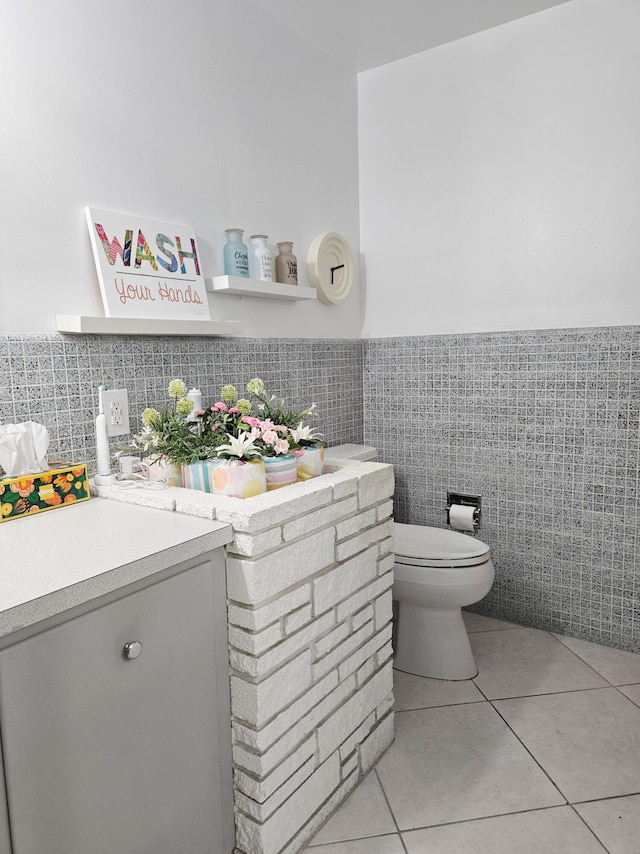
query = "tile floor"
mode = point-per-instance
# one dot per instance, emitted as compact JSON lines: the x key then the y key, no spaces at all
{"x":539,"y":754}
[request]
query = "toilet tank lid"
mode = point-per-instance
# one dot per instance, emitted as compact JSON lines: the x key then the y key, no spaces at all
{"x":421,"y":541}
{"x":352,"y":452}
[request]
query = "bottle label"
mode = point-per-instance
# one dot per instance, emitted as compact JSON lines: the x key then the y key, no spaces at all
{"x":241,"y":260}
{"x":265,"y":266}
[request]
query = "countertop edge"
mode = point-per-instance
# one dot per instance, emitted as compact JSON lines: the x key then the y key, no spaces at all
{"x":39,"y":609}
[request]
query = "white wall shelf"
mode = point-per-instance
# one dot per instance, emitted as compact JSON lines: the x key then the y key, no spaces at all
{"x":240,"y":287}
{"x":78,"y":324}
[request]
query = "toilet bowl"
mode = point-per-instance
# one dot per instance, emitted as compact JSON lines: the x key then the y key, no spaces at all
{"x":437,"y":572}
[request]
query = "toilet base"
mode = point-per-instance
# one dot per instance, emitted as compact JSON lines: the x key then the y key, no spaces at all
{"x":433,"y":642}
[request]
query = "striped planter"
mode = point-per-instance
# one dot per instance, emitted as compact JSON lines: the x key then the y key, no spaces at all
{"x":310,"y":462}
{"x":233,"y":478}
{"x":281,"y":471}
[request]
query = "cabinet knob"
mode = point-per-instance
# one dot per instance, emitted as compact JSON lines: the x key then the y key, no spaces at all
{"x":132,"y":649}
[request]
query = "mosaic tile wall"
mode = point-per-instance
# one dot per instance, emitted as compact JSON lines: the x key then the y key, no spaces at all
{"x":545,"y":426}
{"x":53,"y":379}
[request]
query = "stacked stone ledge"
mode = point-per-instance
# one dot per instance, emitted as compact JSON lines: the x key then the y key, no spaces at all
{"x":309,"y":575}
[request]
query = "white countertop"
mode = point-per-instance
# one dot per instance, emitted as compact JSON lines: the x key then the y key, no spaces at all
{"x":52,"y":561}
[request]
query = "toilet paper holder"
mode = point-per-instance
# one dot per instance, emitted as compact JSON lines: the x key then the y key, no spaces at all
{"x":465,"y":500}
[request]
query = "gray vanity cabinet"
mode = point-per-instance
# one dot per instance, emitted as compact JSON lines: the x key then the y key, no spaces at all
{"x":115,"y":726}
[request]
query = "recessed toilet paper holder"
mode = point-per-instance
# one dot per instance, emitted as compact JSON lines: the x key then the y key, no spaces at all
{"x":465,"y":500}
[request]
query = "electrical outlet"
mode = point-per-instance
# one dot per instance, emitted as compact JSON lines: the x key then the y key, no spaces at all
{"x":116,"y":408}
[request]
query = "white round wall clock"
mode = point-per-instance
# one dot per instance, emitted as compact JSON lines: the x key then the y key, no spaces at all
{"x":330,"y":267}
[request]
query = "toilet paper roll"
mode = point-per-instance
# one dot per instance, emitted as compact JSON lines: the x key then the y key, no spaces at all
{"x":461,"y":517}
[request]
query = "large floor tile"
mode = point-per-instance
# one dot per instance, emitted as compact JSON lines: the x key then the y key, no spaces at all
{"x":616,"y":665}
{"x":459,"y":762}
{"x":480,"y":623}
{"x":420,"y":692}
{"x":521,"y":662}
{"x":632,"y":692}
{"x":587,"y":741}
{"x":364,"y":813}
{"x":547,"y":831}
{"x":616,"y":822}
{"x":376,"y":845}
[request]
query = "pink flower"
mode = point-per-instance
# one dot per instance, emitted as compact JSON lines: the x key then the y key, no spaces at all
{"x":252,"y":422}
{"x":270,"y":437}
{"x":234,"y":410}
{"x":220,"y":406}
{"x":281,"y":446}
{"x":198,"y":412}
{"x":267,"y":424}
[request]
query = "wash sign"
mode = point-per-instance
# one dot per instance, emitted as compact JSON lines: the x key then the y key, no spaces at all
{"x":147,"y":269}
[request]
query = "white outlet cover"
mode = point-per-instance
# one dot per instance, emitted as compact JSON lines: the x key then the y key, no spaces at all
{"x":116,"y":397}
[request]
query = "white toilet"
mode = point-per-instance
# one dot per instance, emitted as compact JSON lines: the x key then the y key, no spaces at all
{"x":437,"y":572}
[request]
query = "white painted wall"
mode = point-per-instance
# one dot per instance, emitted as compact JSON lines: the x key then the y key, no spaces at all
{"x":212,"y":114}
{"x":500,"y":178}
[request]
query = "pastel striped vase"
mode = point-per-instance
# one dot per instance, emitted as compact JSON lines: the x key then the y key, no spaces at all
{"x":310,"y":462}
{"x":162,"y":470}
{"x":281,"y":471}
{"x":233,"y":478}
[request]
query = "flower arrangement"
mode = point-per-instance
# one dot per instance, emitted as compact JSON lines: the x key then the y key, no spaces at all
{"x":256,"y":427}
{"x":168,"y":433}
{"x":233,"y":428}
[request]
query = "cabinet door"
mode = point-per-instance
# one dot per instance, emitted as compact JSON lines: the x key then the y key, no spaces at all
{"x":5,"y":843}
{"x":110,"y":755}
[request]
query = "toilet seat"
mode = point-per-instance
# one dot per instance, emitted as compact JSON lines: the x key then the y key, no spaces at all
{"x":418,"y":545}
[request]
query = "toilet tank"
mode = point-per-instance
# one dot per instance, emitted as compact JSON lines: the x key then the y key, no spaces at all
{"x":352,"y":452}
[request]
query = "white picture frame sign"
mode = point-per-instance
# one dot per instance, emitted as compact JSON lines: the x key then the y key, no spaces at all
{"x":147,"y":269}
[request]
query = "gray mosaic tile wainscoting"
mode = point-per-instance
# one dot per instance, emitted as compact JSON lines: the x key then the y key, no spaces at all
{"x":53,"y":379}
{"x":543,"y":424}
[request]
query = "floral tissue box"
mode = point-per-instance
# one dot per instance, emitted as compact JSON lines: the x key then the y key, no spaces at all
{"x":67,"y":483}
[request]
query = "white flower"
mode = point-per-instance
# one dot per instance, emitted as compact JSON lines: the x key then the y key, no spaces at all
{"x":303,"y":433}
{"x":149,"y":438}
{"x":243,"y":446}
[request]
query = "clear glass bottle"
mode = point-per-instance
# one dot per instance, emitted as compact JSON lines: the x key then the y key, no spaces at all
{"x":236,"y":255}
{"x":260,"y":259}
{"x":286,"y":264}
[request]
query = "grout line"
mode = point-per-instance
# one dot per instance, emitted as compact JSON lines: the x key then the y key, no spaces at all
{"x":608,"y":798}
{"x":552,"y":693}
{"x":488,"y":817}
{"x":582,"y":660}
{"x":590,"y":829}
{"x":404,"y":847}
{"x":544,"y":771}
{"x":440,"y":706}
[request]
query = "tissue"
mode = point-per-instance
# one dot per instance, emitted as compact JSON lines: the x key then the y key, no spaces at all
{"x":23,"y":448}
